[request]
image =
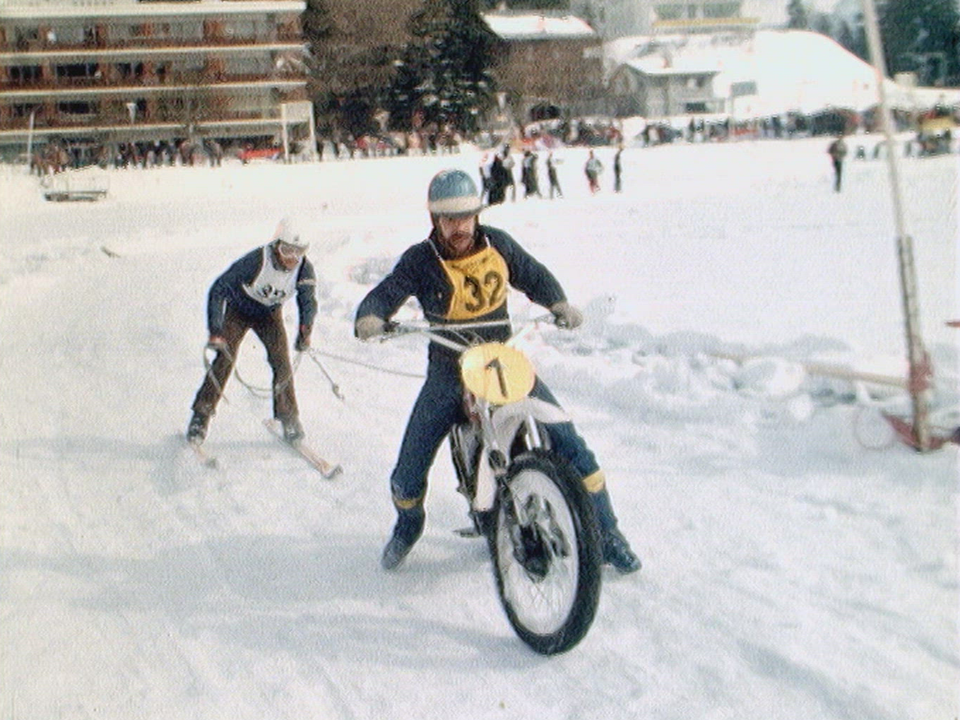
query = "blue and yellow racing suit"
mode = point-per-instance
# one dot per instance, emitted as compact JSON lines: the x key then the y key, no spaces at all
{"x":469,"y":289}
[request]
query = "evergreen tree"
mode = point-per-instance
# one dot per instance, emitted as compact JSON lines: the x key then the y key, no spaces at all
{"x":443,"y":74}
{"x":316,"y":22}
{"x":797,"y":15}
{"x":853,"y":38}
{"x":821,"y":23}
{"x":922,"y":36}
{"x":353,"y":49}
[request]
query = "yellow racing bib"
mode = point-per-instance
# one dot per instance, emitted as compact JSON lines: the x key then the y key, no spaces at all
{"x":479,"y":284}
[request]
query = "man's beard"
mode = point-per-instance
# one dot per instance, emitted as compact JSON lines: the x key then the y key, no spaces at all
{"x":458,"y":238}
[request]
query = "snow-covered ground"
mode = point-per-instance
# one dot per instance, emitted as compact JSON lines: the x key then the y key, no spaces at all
{"x":789,"y":571}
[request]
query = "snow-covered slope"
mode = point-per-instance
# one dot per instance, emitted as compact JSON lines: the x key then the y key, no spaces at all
{"x":789,"y":571}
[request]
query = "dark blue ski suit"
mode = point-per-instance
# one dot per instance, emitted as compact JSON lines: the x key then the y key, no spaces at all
{"x":447,"y":297}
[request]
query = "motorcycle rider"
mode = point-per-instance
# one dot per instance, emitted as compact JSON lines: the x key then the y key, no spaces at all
{"x":459,"y":274}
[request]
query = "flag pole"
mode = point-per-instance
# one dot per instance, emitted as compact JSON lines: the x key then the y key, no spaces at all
{"x":916,"y":353}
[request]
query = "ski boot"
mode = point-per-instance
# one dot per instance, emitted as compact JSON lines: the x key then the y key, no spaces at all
{"x":406,"y":532}
{"x":292,"y":431}
{"x":197,"y":429}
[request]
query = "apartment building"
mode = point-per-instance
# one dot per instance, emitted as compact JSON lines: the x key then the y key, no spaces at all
{"x":120,"y":71}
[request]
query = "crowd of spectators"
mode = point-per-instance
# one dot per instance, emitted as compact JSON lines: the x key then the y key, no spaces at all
{"x":544,"y":135}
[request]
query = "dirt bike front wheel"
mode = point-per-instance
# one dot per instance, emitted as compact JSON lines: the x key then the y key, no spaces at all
{"x":546,"y":554}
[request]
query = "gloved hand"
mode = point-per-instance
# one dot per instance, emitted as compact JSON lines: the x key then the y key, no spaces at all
{"x":566,"y":315}
{"x":369,"y":326}
{"x":303,"y":339}
{"x":217,"y":344}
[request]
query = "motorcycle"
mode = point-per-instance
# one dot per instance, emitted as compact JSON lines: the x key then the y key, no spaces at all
{"x":525,"y":500}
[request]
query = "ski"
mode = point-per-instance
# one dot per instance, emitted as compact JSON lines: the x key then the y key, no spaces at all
{"x":326,"y":469}
{"x":202,"y":456}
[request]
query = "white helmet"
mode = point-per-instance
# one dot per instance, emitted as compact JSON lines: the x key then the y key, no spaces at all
{"x":288,"y":233}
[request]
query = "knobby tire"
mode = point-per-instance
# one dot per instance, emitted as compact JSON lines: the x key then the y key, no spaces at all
{"x":539,"y":468}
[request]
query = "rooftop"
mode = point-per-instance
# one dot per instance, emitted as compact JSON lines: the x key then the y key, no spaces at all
{"x":537,"y":26}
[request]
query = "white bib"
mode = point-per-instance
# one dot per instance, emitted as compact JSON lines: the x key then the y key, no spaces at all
{"x":273,"y":285}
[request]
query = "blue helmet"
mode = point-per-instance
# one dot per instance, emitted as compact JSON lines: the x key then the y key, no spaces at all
{"x":453,"y":193}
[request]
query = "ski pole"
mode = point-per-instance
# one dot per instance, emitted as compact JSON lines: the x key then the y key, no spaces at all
{"x":333,"y":386}
{"x":208,"y":367}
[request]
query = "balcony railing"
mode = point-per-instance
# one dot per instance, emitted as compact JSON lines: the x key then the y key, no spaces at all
{"x":167,"y":82}
{"x":122,"y":119}
{"x":43,"y":48}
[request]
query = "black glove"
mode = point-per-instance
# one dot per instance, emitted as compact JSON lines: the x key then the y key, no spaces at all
{"x":303,"y":339}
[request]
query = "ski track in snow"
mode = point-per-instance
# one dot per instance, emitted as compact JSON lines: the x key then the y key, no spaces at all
{"x":789,"y":572}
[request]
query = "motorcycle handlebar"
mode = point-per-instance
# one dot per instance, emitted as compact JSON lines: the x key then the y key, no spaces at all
{"x":432,"y":330}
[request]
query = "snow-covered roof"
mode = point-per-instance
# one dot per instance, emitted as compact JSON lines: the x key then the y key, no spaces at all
{"x":828,"y":76}
{"x":537,"y":26}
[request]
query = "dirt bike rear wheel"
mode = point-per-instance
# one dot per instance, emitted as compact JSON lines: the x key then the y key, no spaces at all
{"x":546,"y":553}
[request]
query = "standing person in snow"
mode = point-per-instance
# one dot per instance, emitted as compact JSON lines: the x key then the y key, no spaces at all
{"x":552,"y":176}
{"x":837,"y":152}
{"x":593,"y":168}
{"x":528,"y":174}
{"x":617,"y":170}
{"x":250,"y":295}
{"x":509,"y":181}
{"x":498,"y":181}
{"x":485,"y":178}
{"x":442,"y":273}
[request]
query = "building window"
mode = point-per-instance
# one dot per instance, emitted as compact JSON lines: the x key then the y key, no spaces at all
{"x":669,"y":12}
{"x":77,"y":107}
{"x":25,"y":74}
{"x":721,"y":10}
{"x":92,"y":36}
{"x":129,"y":71}
{"x":22,"y":36}
{"x":77,"y":70}
{"x":26,"y":109}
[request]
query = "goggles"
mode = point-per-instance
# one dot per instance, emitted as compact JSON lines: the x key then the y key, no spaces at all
{"x":289,"y":251}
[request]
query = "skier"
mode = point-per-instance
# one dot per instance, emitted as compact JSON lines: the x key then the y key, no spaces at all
{"x":837,"y":151}
{"x":250,"y":295}
{"x":443,"y":272}
{"x":593,"y":168}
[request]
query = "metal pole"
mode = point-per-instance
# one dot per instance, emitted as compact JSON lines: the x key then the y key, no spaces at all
{"x":916,"y":353}
{"x":283,"y":132}
{"x":33,"y":114}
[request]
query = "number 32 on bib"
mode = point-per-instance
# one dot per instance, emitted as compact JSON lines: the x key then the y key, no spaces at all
{"x":479,"y":284}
